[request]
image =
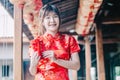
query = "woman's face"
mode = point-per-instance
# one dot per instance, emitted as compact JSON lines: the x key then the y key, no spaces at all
{"x":51,"y":22}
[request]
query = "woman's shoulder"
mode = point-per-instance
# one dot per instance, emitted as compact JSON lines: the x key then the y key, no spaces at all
{"x":67,"y":36}
{"x":38,"y":38}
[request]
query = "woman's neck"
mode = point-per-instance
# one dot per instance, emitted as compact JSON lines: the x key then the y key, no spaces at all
{"x":52,"y":33}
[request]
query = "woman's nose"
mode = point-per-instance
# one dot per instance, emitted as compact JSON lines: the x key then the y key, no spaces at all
{"x":52,"y":19}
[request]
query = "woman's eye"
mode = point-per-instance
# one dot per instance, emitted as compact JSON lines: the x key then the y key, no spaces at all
{"x":55,"y":16}
{"x":47,"y":17}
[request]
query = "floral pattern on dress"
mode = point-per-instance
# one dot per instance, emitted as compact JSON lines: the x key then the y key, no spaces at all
{"x":63,"y":46}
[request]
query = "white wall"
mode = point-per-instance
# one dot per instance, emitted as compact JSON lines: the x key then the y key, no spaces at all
{"x":6,"y":51}
{"x":6,"y":57}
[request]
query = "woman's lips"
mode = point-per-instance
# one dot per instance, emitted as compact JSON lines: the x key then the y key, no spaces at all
{"x":52,"y":24}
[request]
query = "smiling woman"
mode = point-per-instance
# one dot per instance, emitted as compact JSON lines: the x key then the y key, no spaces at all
{"x":49,"y":19}
{"x":51,"y":22}
{"x":52,"y":53}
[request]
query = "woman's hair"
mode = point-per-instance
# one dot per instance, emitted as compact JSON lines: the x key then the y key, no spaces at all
{"x":44,"y":11}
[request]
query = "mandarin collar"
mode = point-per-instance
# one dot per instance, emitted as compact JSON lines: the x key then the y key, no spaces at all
{"x":50,"y":37}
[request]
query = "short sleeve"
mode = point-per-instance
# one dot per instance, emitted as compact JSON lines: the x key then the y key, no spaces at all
{"x":32,"y":47}
{"x":74,"y":47}
{"x":35,"y":46}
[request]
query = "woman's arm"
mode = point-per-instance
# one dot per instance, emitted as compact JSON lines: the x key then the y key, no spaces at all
{"x":34,"y":58}
{"x":73,"y":63}
{"x":32,"y":69}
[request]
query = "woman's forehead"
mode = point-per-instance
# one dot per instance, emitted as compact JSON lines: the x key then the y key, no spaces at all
{"x":50,"y":13}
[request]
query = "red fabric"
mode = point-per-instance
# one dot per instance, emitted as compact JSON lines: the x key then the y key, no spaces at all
{"x":38,"y":4}
{"x":63,"y":46}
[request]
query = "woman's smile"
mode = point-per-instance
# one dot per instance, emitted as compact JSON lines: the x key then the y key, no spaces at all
{"x":51,"y":22}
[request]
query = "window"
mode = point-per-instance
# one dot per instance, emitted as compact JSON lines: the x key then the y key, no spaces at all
{"x":117,"y":72}
{"x":5,"y":70}
{"x":115,"y":67}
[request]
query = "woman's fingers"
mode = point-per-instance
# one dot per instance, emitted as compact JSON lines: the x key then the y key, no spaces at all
{"x":35,"y":58}
{"x":48,"y":54}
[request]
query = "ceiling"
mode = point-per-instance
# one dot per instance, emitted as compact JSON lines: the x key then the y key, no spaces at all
{"x":108,"y":16}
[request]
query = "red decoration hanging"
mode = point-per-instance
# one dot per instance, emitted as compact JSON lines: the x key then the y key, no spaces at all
{"x":86,"y":15}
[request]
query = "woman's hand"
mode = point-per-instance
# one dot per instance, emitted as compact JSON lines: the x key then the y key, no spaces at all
{"x":34,"y":58}
{"x":49,"y":54}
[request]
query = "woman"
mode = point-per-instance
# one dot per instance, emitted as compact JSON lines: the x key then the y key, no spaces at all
{"x":52,"y":53}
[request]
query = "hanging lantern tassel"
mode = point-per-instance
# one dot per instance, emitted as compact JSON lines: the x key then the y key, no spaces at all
{"x":86,"y":15}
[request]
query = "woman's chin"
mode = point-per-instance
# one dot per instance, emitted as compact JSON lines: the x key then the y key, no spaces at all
{"x":53,"y":29}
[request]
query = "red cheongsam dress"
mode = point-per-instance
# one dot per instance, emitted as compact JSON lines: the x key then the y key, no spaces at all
{"x":63,"y":46}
